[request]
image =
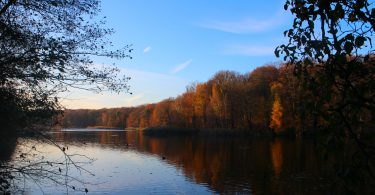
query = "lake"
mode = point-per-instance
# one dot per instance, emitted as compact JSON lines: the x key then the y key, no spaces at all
{"x":127,"y":162}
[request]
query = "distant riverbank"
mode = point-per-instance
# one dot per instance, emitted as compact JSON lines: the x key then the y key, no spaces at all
{"x":102,"y":127}
{"x":176,"y":131}
{"x":204,"y":132}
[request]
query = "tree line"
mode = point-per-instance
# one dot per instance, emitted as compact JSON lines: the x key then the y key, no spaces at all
{"x":268,"y":98}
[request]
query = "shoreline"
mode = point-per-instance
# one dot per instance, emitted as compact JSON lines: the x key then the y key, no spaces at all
{"x":175,"y":131}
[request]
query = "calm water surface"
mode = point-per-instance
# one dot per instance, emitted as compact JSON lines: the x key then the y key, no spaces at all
{"x":126,"y":162}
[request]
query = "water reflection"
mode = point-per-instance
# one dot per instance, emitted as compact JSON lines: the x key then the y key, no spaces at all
{"x":235,"y":165}
{"x":277,"y":156}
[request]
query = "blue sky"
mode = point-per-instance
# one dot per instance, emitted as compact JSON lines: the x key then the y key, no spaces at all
{"x":179,"y":42}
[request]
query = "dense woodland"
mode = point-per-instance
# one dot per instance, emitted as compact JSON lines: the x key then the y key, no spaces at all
{"x":227,"y":100}
{"x":269,"y":97}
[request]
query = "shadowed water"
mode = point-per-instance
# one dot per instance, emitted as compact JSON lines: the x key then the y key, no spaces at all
{"x":126,"y":162}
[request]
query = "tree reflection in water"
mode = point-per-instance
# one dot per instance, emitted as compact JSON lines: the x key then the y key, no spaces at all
{"x":226,"y":165}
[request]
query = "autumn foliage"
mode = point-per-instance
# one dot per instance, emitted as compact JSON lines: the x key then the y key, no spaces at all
{"x":277,"y":114}
{"x":268,"y":98}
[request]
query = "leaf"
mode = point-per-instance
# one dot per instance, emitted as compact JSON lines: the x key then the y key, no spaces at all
{"x":352,"y":17}
{"x":359,"y":41}
{"x":277,"y":52}
{"x":290,"y":32}
{"x":350,"y":37}
{"x":285,"y":33}
{"x":348,"y":47}
{"x":339,"y":11}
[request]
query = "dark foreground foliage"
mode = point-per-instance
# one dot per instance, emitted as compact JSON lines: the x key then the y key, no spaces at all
{"x":331,"y":48}
{"x":45,"y":49}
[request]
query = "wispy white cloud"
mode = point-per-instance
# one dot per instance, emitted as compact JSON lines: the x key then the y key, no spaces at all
{"x":250,"y":50}
{"x":181,"y":66}
{"x":147,"y":49}
{"x":86,"y":99}
{"x":245,"y":25}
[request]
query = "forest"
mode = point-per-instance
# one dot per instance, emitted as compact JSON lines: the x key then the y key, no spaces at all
{"x":269,"y":98}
